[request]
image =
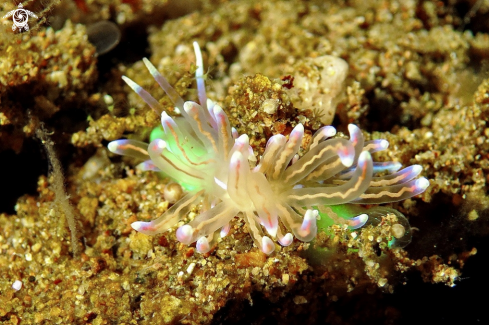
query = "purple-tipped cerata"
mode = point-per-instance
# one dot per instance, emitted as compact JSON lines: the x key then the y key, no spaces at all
{"x":279,"y":194}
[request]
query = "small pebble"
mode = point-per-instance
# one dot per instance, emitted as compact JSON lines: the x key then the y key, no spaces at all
{"x":17,"y":285}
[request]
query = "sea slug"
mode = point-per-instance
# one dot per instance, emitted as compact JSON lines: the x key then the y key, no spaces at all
{"x":280,"y":193}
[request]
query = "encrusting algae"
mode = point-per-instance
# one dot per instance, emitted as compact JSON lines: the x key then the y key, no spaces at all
{"x":411,"y":72}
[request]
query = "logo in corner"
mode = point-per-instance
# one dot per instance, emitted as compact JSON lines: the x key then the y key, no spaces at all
{"x":20,"y":17}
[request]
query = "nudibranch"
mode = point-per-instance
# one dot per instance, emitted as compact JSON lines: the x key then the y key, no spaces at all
{"x":280,"y":194}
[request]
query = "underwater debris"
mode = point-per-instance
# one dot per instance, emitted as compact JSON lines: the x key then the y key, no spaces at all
{"x":282,"y":192}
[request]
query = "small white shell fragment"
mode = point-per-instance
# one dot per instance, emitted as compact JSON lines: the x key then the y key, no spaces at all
{"x":190,"y":268}
{"x":180,"y":277}
{"x":108,"y":100}
{"x":270,"y":106}
{"x":17,"y":285}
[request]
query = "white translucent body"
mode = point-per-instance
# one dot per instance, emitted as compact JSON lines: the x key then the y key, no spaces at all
{"x":276,"y":195}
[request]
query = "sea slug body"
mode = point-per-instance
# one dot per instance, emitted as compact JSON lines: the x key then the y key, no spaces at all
{"x":279,"y":195}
